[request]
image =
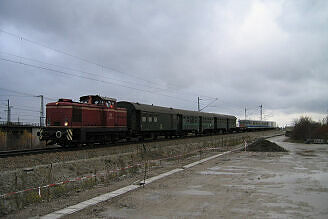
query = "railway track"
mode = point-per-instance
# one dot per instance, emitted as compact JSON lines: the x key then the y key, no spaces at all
{"x":13,"y":153}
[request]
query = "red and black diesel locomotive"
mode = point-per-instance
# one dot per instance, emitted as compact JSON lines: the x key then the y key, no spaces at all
{"x":93,"y":119}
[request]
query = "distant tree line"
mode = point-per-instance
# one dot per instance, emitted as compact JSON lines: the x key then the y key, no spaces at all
{"x":306,"y":128}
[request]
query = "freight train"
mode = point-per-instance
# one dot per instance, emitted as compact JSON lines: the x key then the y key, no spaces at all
{"x":98,"y":119}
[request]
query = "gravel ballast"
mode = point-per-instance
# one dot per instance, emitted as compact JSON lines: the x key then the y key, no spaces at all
{"x":262,"y":145}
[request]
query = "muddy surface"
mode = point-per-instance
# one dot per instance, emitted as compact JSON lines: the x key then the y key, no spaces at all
{"x":290,"y":184}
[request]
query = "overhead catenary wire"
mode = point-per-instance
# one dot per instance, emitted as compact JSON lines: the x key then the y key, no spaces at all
{"x":84,"y":77}
{"x":23,"y":93}
{"x":80,"y":58}
{"x":80,"y":71}
{"x":97,"y":64}
{"x":25,"y":107}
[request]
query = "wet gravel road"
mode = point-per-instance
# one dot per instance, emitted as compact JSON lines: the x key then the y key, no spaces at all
{"x":290,"y":184}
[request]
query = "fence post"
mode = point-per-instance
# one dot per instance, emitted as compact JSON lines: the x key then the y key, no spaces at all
{"x":49,"y":182}
{"x":145,"y":164}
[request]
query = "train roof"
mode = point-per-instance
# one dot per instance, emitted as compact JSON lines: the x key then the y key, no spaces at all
{"x":247,"y":120}
{"x":170,"y":110}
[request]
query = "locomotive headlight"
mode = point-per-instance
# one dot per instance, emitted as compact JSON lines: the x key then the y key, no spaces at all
{"x":66,"y":123}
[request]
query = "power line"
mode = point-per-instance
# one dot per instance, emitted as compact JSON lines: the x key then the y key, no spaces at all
{"x":22,"y":106}
{"x":207,"y":104}
{"x":84,"y":77}
{"x":81,"y":58}
{"x":76,"y":70}
{"x":9,"y":95}
{"x":23,"y":93}
{"x":85,"y":72}
{"x":37,"y":111}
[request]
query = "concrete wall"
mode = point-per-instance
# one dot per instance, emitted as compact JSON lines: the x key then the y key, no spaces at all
{"x":19,"y":138}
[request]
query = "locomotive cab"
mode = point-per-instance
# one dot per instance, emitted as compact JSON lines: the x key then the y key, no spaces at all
{"x":98,"y":100}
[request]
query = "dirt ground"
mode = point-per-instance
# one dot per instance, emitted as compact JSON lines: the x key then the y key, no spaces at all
{"x":290,"y":184}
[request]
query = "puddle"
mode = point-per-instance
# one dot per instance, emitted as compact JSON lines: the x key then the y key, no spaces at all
{"x":281,"y":205}
{"x":286,"y":157}
{"x":153,"y":196}
{"x":186,"y":214}
{"x":244,"y":186}
{"x":306,"y":154}
{"x":118,"y":213}
{"x":322,"y":177}
{"x":300,"y":168}
{"x":287,"y":178}
{"x":214,"y":168}
{"x":225,"y":169}
{"x":217,"y":173}
{"x":195,"y":187}
{"x":242,"y":211}
{"x":238,"y":167}
{"x":196,"y":192}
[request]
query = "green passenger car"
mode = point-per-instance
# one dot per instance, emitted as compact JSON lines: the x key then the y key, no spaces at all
{"x":143,"y":118}
{"x":149,"y":120}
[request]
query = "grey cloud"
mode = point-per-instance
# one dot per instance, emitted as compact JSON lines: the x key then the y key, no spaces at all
{"x":189,"y":48}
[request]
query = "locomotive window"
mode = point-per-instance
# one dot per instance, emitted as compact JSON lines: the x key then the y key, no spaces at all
{"x":84,"y":101}
{"x":144,"y":119}
{"x":150,"y":119}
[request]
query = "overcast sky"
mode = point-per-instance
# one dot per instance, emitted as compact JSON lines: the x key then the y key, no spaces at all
{"x":244,"y":53}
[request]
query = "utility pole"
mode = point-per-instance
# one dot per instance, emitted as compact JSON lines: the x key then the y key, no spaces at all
{"x":8,"y":112}
{"x":261,"y":109}
{"x":198,"y":104}
{"x":41,"y":111}
{"x":245,"y":113}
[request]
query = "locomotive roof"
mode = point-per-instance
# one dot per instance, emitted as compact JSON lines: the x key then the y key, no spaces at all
{"x":169,"y":110}
{"x":86,"y":97}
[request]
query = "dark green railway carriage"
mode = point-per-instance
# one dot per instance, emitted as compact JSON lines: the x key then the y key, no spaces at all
{"x":197,"y":122}
{"x":189,"y":121}
{"x":225,"y":123}
{"x":149,"y":120}
{"x":231,"y":123}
